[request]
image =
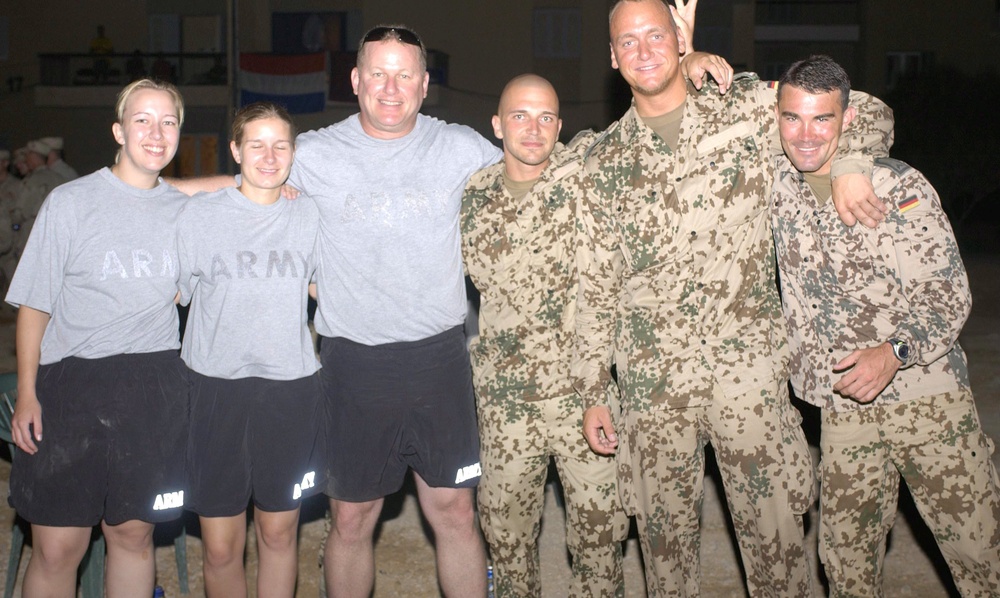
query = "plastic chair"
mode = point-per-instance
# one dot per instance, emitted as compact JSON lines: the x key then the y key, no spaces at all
{"x":92,"y":578}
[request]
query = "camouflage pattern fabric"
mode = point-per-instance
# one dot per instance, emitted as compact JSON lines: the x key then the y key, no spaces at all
{"x":937,"y":446}
{"x":8,"y":195}
{"x":769,"y":477}
{"x":850,"y":288}
{"x":682,"y":282}
{"x":847,"y":288}
{"x":679,"y":293}
{"x":516,"y":443}
{"x":522,"y":256}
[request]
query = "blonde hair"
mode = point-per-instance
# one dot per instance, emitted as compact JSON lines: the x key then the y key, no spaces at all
{"x":141,"y":84}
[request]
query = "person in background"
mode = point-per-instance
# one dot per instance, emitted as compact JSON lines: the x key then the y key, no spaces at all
{"x":8,"y":182}
{"x":101,"y":419}
{"x":55,"y":160}
{"x":246,"y":258}
{"x":20,"y":161}
{"x":101,"y":46}
{"x":874,"y":318}
{"x":9,"y":187}
{"x":36,"y":185}
{"x":135,"y":66}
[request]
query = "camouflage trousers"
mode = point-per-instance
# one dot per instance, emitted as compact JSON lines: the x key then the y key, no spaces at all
{"x":937,"y":446}
{"x":517,"y":439}
{"x":769,"y":480}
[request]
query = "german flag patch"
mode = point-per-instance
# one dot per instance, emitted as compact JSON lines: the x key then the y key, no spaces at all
{"x":772,"y":85}
{"x":908,"y":203}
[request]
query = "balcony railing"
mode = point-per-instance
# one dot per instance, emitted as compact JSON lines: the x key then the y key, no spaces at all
{"x":63,"y":70}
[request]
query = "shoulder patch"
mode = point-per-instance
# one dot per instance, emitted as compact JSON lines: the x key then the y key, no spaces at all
{"x":897,"y":166}
{"x":908,"y":203}
{"x":745,"y":76}
{"x":582,"y":141}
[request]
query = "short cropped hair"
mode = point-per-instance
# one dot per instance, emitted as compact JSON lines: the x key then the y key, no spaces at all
{"x":818,"y":74}
{"x":616,"y":3}
{"x":396,"y":33}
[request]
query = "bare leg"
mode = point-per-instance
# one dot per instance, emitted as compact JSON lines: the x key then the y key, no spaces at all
{"x":224,"y":540}
{"x":131,"y":563}
{"x":461,"y":555}
{"x":277,"y":551}
{"x":349,"y":561}
{"x":55,"y":556}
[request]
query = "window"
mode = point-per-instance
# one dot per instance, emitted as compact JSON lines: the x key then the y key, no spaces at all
{"x":904,"y":65}
{"x":557,"y":32}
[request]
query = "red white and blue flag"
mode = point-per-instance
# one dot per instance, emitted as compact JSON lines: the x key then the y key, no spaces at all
{"x":296,"y":81}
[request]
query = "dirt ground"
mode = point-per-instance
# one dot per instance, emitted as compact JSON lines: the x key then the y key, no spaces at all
{"x":405,"y":557}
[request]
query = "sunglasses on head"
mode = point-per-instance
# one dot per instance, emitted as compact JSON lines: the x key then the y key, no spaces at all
{"x":401,"y":34}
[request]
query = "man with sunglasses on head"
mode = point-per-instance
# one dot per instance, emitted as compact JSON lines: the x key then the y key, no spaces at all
{"x":396,"y":374}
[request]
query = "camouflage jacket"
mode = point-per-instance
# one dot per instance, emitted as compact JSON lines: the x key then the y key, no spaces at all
{"x":521,"y":255}
{"x":681,"y":294}
{"x":8,"y":192}
{"x":9,"y":189}
{"x":852,"y":288}
{"x":34,"y":189}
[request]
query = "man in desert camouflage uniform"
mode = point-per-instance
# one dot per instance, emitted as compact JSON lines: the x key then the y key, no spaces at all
{"x":35,"y":187}
{"x":874,"y":317}
{"x":519,"y":244}
{"x":682,"y":298}
{"x":55,"y":160}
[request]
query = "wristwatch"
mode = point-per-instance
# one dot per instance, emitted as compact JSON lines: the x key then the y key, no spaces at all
{"x":900,"y":349}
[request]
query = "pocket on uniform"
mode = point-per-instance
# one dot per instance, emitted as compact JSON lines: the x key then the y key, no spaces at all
{"x":800,"y":477}
{"x":848,"y":260}
{"x":647,"y":223}
{"x":623,"y":462}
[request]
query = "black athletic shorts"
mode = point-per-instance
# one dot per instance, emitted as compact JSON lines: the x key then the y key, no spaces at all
{"x":253,"y":437}
{"x":397,"y":406}
{"x":114,"y":433}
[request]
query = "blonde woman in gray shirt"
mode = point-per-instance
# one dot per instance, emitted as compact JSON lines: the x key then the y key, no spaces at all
{"x":101,"y":418}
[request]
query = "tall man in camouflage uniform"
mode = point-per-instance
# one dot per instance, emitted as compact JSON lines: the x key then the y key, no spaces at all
{"x":519,"y":244}
{"x":682,"y":299}
{"x":874,"y":318}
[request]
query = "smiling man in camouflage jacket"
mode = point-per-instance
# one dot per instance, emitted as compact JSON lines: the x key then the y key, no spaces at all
{"x":520,"y":248}
{"x":874,"y":317}
{"x":682,"y":299}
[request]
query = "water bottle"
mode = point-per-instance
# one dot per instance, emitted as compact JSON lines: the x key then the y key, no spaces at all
{"x":489,"y":581}
{"x":158,"y":592}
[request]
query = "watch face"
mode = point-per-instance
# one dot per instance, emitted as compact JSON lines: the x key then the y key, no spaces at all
{"x":903,"y":351}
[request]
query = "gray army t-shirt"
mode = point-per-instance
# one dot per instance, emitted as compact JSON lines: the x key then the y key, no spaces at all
{"x":102,"y":261}
{"x":245,"y":268}
{"x":390,"y":266}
